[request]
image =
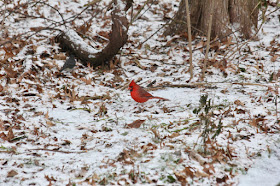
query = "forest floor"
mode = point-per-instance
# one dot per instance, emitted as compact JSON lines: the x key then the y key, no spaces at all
{"x":83,"y":127}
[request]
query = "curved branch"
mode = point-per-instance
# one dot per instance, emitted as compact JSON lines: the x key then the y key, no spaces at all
{"x":71,"y":41}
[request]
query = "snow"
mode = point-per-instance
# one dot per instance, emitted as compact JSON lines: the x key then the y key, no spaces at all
{"x":265,"y":170}
{"x":75,"y":38}
{"x":73,"y":128}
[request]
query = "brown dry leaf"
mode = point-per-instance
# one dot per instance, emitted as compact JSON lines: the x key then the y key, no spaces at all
{"x":104,"y":34}
{"x":11,"y":73}
{"x":253,"y":122}
{"x":12,"y":173}
{"x":39,"y":88}
{"x":239,"y":103}
{"x":50,"y":123}
{"x":59,"y":56}
{"x":66,"y":142}
{"x":215,"y":45}
{"x":196,"y":157}
{"x":229,"y":152}
{"x":224,"y":91}
{"x":121,"y":181}
{"x":36,"y":29}
{"x":174,"y":135}
{"x":20,"y":117}
{"x":3,"y":136}
{"x":278,"y":74}
{"x":73,"y":96}
{"x":50,"y":178}
{"x":8,"y":52}
{"x":240,"y":111}
{"x":155,"y":133}
{"x":127,"y":155}
{"x":170,"y":146}
{"x":1,"y":88}
{"x":219,"y":157}
{"x":38,"y":114}
{"x":207,"y":168}
{"x":208,"y":141}
{"x":228,"y":42}
{"x":10,"y":135}
{"x":149,"y":146}
{"x":123,"y":155}
{"x":201,"y":174}
{"x":222,"y":180}
{"x":1,"y":126}
{"x":87,"y":81}
{"x":84,"y":28}
{"x":169,"y":43}
{"x":273,"y":59}
{"x":189,"y":172}
{"x":47,"y":115}
{"x":136,"y":123}
{"x":181,"y":178}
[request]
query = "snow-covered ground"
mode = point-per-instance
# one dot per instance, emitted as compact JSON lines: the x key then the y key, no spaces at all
{"x":76,"y":128}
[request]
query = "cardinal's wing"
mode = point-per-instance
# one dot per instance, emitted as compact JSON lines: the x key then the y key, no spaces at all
{"x":144,"y":93}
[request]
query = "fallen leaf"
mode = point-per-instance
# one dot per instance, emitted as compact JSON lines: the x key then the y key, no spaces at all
{"x":239,"y":103}
{"x":135,"y":124}
{"x":181,"y":178}
{"x":86,"y":81}
{"x":174,"y":135}
{"x":12,"y":173}
{"x":50,"y":123}
{"x":273,"y":59}
{"x":253,"y":122}
{"x":201,"y":174}
{"x":209,"y":169}
{"x":3,"y":136}
{"x":10,"y":135}
{"x":222,"y":180}
{"x":189,"y":172}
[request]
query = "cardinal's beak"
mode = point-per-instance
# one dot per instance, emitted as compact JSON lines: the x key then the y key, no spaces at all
{"x":130,"y":89}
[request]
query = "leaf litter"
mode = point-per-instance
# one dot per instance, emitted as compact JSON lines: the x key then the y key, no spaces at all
{"x":84,"y":128}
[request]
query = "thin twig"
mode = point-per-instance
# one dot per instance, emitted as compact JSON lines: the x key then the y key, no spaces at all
{"x":49,"y":27}
{"x":61,"y":151}
{"x":152,"y":35}
{"x":139,"y":11}
{"x":250,"y":39}
{"x":38,"y":2}
{"x":247,"y":41}
{"x":210,"y":85}
{"x":276,"y":102}
{"x":189,"y":38}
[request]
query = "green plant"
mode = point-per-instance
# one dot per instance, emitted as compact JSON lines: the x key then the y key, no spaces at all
{"x":207,"y":120}
{"x":170,"y":179}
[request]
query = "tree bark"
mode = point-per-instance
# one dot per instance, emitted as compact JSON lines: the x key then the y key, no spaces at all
{"x":245,"y":13}
{"x":72,"y":42}
{"x":225,"y":13}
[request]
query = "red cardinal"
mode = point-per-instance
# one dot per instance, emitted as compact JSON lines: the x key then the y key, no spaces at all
{"x":139,"y":94}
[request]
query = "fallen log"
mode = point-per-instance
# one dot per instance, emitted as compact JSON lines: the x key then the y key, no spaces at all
{"x":70,"y":40}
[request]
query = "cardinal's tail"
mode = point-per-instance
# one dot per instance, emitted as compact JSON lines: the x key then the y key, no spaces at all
{"x":154,"y":97}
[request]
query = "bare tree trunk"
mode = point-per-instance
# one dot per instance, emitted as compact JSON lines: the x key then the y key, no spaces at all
{"x":226,"y":12}
{"x":243,"y":12}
